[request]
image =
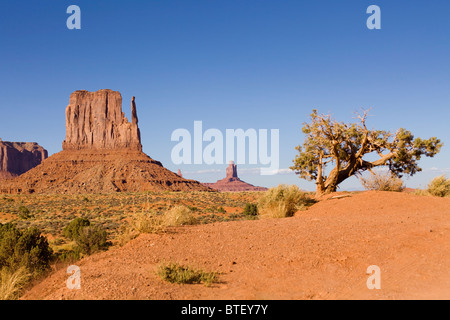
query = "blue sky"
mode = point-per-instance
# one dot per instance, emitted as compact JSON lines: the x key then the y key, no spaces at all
{"x":231,"y":64}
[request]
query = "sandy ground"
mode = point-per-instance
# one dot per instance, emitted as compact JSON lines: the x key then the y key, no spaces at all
{"x":321,"y":253}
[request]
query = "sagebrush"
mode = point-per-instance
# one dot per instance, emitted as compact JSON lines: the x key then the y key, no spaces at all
{"x":175,"y":273}
{"x":439,"y":187}
{"x":178,"y":216}
{"x":283,"y":201}
{"x":382,"y":181}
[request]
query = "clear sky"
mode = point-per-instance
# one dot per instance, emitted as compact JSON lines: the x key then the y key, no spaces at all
{"x":232,"y":64}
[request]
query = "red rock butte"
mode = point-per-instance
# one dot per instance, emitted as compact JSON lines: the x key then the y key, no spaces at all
{"x":232,"y":182}
{"x":19,"y":157}
{"x":102,"y":153}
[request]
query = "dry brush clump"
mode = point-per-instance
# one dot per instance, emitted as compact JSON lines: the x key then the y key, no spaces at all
{"x":283,"y":201}
{"x":439,"y":187}
{"x":12,"y":282}
{"x":383,"y":181}
{"x":152,"y":222}
{"x":179,"y":216}
{"x":176,"y":273}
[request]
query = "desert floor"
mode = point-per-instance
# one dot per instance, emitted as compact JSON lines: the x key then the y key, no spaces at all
{"x":320,"y":253}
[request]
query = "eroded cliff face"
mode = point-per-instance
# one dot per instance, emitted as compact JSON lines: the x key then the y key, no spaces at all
{"x":17,"y":158}
{"x":102,"y":153}
{"x":94,"y":120}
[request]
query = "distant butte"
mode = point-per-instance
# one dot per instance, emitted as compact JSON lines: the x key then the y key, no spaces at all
{"x":17,"y":158}
{"x":232,"y":182}
{"x":102,"y":153}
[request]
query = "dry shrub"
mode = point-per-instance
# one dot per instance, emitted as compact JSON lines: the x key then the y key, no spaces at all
{"x":383,"y":181}
{"x":150,"y":222}
{"x":175,"y":273}
{"x":145,"y":222}
{"x":439,"y":186}
{"x":179,"y":216}
{"x":282,"y":201}
{"x":12,"y":282}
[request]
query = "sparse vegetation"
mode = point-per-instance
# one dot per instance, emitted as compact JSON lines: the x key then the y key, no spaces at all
{"x":383,"y":181}
{"x":92,"y":239}
{"x":145,"y":222}
{"x":175,"y":273}
{"x":250,"y":210}
{"x":221,"y":210}
{"x":283,"y":201}
{"x":52,"y":213}
{"x":439,"y":187}
{"x":72,"y":230}
{"x":24,"y":255}
{"x":24,"y":213}
{"x":179,"y":216}
{"x":89,"y":238}
{"x":26,"y":248}
{"x":12,"y":282}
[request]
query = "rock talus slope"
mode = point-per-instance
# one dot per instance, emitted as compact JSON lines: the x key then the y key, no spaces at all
{"x":102,"y":153}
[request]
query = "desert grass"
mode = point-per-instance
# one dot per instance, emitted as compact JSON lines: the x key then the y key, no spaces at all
{"x":144,"y":211}
{"x":439,"y":187}
{"x":176,"y":273}
{"x":179,"y":216}
{"x":152,"y":222}
{"x":12,"y":282}
{"x":283,"y":201}
{"x":382,"y":181}
{"x":142,"y":222}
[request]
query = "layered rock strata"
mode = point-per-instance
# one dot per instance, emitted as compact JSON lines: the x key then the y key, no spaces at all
{"x":17,"y":158}
{"x":102,"y":153}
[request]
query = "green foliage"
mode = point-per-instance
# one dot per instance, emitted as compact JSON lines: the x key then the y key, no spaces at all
{"x":70,"y":256}
{"x":221,"y":210}
{"x":88,"y":238}
{"x":194,"y":209}
{"x":343,"y":146}
{"x":175,"y":273}
{"x":250,"y":209}
{"x":439,"y":186}
{"x":24,"y":213}
{"x":26,"y":248}
{"x":283,"y":201}
{"x":92,"y":239}
{"x":72,"y":230}
{"x":380,"y":181}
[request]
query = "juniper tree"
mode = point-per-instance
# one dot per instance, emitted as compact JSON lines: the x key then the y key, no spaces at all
{"x":343,"y":147}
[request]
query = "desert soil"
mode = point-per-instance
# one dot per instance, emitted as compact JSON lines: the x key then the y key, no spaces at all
{"x":321,"y":253}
